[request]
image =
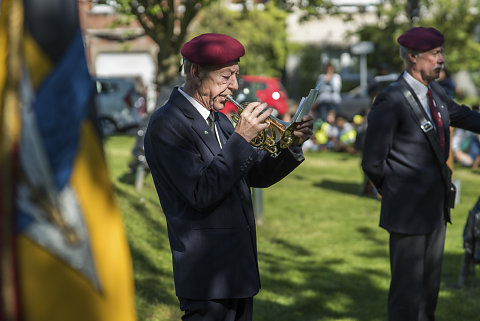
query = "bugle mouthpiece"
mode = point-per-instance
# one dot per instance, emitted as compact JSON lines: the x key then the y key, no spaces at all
{"x":233,"y":101}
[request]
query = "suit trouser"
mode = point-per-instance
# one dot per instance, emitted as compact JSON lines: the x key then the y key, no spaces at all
{"x":217,"y":310}
{"x":416,"y":268}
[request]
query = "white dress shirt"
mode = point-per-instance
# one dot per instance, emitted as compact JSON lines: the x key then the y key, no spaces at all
{"x":202,"y":110}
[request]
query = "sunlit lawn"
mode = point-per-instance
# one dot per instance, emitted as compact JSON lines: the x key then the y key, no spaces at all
{"x":322,"y":255}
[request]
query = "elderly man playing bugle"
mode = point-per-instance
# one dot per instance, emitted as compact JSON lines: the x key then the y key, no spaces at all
{"x":203,"y":169}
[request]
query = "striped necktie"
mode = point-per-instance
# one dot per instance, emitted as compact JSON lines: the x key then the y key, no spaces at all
{"x":437,"y":119}
{"x":211,"y":121}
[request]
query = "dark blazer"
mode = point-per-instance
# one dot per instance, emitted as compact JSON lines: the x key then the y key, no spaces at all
{"x":205,"y":196}
{"x":400,"y":161}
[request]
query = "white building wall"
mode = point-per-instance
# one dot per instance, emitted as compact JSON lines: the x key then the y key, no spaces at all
{"x":329,"y":30}
{"x":129,"y":64}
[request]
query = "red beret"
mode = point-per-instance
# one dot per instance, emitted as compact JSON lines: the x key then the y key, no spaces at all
{"x":421,"y":39}
{"x":213,"y":49}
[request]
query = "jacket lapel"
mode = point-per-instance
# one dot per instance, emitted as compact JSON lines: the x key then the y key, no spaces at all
{"x":206,"y":135}
{"x":224,"y":127}
{"x":406,"y":85}
{"x":199,"y":125}
{"x":440,"y":107}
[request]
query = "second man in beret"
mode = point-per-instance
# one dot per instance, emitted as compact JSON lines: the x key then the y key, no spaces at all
{"x":406,"y":147}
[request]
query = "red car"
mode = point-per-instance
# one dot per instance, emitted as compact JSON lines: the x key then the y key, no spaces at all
{"x":260,"y":88}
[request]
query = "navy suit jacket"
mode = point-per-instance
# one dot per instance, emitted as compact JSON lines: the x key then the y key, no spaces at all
{"x":205,"y":195}
{"x":400,"y":161}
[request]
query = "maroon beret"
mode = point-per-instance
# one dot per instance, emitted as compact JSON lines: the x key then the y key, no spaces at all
{"x":421,"y":39}
{"x":213,"y":49}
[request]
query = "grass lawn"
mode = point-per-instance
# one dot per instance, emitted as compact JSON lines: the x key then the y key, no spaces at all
{"x":322,"y":255}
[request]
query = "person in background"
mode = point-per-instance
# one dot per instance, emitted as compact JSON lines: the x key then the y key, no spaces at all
{"x":344,"y":141}
{"x":203,"y":169}
{"x":360,"y":125}
{"x":447,"y":83}
{"x":329,"y":85}
{"x":465,"y":148}
{"x":411,"y":174}
{"x":326,"y":131}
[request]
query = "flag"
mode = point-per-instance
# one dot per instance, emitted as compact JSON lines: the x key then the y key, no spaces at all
{"x":64,"y":249}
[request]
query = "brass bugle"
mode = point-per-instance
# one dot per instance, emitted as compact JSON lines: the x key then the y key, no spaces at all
{"x":278,"y":131}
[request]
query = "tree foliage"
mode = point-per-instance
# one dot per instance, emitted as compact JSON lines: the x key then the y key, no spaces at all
{"x":166,"y":23}
{"x":262,"y":32}
{"x":457,"y":23}
{"x":309,"y":9}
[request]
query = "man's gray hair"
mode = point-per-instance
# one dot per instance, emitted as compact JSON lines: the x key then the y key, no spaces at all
{"x":404,"y":51}
{"x":187,"y":65}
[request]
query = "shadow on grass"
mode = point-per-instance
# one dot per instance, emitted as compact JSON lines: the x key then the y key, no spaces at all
{"x":321,"y":292}
{"x":458,"y":303}
{"x":153,"y":284}
{"x":315,"y":291}
{"x":153,"y":278}
{"x":369,"y":233}
{"x":343,"y":187}
{"x":138,"y":204}
{"x":150,"y":252}
{"x":127,"y":178}
{"x":292,"y":248}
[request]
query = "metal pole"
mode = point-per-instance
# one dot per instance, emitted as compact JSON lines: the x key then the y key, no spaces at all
{"x":362,"y":49}
{"x":257,"y":199}
{"x":363,"y":71}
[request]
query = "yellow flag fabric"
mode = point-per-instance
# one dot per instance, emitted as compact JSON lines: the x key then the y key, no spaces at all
{"x":66,"y":255}
{"x":9,"y":138}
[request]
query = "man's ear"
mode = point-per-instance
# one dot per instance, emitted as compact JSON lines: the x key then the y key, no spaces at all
{"x":413,"y":57}
{"x":194,"y":71}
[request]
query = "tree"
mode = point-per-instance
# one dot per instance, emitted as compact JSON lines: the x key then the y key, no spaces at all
{"x":166,"y":23}
{"x":310,"y":9}
{"x":262,"y":32}
{"x":457,"y":23}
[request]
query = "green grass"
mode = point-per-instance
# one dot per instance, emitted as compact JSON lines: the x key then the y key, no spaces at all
{"x":322,"y":255}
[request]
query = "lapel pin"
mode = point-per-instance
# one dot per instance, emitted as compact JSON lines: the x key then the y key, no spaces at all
{"x":205,"y":132}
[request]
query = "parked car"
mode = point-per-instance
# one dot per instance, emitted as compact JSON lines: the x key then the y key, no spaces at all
{"x":119,"y":106}
{"x":260,"y":88}
{"x":358,"y":100}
